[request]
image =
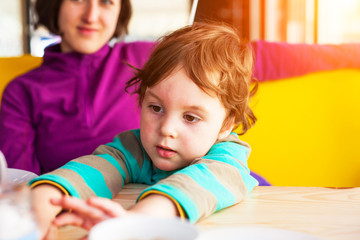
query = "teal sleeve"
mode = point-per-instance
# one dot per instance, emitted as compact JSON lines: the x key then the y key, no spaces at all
{"x":218,"y":180}
{"x":104,"y":173}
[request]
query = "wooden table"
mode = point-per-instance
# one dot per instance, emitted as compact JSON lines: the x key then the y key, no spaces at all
{"x":328,"y":213}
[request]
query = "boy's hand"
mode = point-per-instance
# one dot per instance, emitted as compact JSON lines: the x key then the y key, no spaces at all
{"x":44,"y":211}
{"x":86,"y":214}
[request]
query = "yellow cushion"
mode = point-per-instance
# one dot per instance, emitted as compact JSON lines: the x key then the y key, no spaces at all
{"x":307,"y":130}
{"x":11,"y":67}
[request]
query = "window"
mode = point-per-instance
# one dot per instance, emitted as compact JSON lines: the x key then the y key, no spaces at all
{"x":11,"y":28}
{"x":338,"y":21}
{"x":308,"y":21}
{"x":152,"y":19}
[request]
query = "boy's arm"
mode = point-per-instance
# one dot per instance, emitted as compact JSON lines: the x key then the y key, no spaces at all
{"x":44,"y":211}
{"x":156,"y":205}
{"x":63,"y":181}
{"x":86,"y":214}
{"x":218,"y":180}
{"x":102,"y":174}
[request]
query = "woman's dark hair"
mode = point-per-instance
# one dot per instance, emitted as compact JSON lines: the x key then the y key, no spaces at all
{"x":47,"y":12}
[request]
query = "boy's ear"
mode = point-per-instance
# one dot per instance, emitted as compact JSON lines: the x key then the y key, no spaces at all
{"x":226,"y":130}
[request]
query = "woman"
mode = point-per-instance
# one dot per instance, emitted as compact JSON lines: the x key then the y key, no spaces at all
{"x":75,"y":100}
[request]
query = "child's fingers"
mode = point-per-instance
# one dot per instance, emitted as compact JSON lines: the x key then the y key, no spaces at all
{"x":76,"y":220}
{"x":80,"y":207}
{"x":68,"y":219}
{"x":112,"y":209}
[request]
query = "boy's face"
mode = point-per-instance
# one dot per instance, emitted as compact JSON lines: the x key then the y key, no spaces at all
{"x":179,"y":122}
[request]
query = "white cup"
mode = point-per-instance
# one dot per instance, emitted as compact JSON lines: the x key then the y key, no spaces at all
{"x":19,"y":176}
{"x":143,"y":228}
{"x":16,"y":217}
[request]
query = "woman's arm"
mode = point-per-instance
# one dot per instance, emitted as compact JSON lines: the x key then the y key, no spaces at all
{"x":277,"y":60}
{"x":17,"y":133}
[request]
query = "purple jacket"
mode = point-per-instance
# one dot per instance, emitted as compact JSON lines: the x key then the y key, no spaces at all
{"x":69,"y":105}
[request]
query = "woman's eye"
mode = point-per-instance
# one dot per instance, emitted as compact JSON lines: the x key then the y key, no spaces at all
{"x":107,"y":1}
{"x":191,"y":118}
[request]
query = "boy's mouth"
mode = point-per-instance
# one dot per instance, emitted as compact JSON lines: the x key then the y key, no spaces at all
{"x":164,"y":151}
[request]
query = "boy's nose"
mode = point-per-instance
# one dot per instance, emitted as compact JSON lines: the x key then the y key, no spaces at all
{"x":168,"y":128}
{"x":91,"y":12}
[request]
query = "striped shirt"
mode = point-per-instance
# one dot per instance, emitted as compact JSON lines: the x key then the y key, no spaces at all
{"x":218,"y":180}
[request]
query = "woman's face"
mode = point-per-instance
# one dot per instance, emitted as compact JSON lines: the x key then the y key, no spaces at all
{"x":87,"y":25}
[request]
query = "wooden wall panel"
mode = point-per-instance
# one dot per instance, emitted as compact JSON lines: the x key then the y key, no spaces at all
{"x":234,"y":12}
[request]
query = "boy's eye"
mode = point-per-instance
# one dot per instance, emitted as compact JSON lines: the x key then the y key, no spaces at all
{"x":156,"y":108}
{"x":191,"y":118}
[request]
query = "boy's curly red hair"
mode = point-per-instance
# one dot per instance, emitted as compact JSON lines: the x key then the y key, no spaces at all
{"x":215,"y":58}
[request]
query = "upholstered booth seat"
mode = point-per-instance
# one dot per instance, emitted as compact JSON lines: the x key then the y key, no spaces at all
{"x":307,"y":130}
{"x":308,"y":110}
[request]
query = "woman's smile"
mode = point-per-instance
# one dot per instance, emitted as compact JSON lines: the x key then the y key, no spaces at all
{"x":87,"y":31}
